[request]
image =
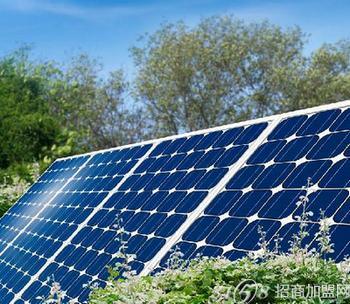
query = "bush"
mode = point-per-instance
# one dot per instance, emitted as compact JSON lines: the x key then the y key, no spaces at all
{"x":218,"y":280}
{"x":14,"y":182}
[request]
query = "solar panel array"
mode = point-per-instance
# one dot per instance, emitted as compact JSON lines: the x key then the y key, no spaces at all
{"x":265,"y":190}
{"x":205,"y":192}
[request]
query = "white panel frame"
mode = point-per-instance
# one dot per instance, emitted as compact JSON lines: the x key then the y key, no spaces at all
{"x":59,"y":191}
{"x":151,"y":265}
{"x":273,"y":122}
{"x":276,"y":119}
{"x":340,"y":104}
{"x":84,"y":223}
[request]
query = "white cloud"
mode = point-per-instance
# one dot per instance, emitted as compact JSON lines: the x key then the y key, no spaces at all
{"x":72,"y":10}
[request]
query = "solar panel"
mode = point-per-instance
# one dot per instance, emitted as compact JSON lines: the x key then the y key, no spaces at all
{"x":23,"y":252}
{"x":153,"y":187}
{"x":58,"y":218}
{"x":205,"y":192}
{"x":266,"y":188}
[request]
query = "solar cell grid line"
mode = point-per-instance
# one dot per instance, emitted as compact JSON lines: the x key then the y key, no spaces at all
{"x":26,"y":200}
{"x":158,"y":196}
{"x":271,"y":123}
{"x":137,"y":201}
{"x":254,"y":196}
{"x":110,"y":169}
{"x":23,"y":213}
{"x":317,"y":163}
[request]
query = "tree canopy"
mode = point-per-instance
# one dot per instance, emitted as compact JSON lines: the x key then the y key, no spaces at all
{"x":219,"y":71}
{"x":26,"y":125}
{"x":224,"y":70}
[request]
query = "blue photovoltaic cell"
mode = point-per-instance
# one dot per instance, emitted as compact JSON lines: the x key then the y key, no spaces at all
{"x":249,"y":203}
{"x":85,"y":257}
{"x":155,"y":200}
{"x":286,"y":232}
{"x":287,"y":127}
{"x":149,"y":199}
{"x":66,"y":226}
{"x":265,"y":191}
{"x":342,"y":123}
{"x":25,"y":243}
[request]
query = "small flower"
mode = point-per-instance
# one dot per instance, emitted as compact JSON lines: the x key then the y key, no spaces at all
{"x":310,"y":213}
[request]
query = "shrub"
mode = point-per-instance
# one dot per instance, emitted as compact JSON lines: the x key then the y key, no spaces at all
{"x":14,"y":182}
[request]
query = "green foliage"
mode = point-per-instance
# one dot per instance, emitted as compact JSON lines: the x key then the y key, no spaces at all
{"x":224,"y":69}
{"x":25,"y":136}
{"x":14,"y":181}
{"x":49,"y":111}
{"x":60,"y":110}
{"x":67,"y":143}
{"x":213,"y":280}
{"x":219,"y":71}
{"x":25,"y":124}
{"x":95,"y":107}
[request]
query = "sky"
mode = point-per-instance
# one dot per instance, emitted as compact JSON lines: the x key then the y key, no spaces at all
{"x":106,"y":29}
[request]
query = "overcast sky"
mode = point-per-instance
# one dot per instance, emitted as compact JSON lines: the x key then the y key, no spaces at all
{"x":107,"y":29}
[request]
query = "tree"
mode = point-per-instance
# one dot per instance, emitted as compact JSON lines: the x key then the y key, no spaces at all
{"x":324,"y":79}
{"x":225,"y":70}
{"x":99,"y":109}
{"x":25,"y":125}
{"x":49,"y":110}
